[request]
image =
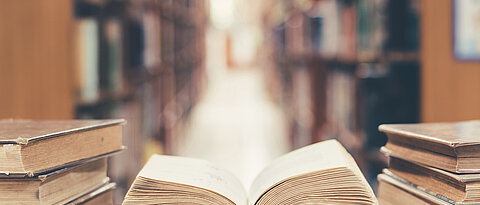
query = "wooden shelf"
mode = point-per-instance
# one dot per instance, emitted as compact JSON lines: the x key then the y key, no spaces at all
{"x":386,"y":57}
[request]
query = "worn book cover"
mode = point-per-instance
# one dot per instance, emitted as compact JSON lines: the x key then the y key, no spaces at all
{"x":30,"y":147}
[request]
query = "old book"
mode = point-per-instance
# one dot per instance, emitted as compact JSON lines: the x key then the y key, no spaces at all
{"x":458,"y":187}
{"x":453,"y":147}
{"x":56,"y":187}
{"x":322,"y":173}
{"x":29,"y":147}
{"x":395,"y":192}
{"x":102,"y":195}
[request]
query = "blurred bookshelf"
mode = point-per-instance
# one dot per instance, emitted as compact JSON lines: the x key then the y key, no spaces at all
{"x":142,"y":61}
{"x":341,"y":67}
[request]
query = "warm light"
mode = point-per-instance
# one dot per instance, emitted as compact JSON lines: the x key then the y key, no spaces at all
{"x":222,"y":13}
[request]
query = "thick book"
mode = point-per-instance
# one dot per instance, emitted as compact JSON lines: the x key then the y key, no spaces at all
{"x":453,"y":146}
{"x":322,"y":173}
{"x":458,"y":187}
{"x":58,"y":187}
{"x":29,"y":147}
{"x":392,"y":191}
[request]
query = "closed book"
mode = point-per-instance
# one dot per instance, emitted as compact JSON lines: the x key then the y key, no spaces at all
{"x":458,"y":187}
{"x":452,"y":146}
{"x":29,"y":147}
{"x":58,"y":187}
{"x":394,"y":191}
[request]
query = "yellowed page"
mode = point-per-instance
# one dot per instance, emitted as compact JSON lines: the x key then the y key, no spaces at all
{"x":195,"y":172}
{"x":320,"y":156}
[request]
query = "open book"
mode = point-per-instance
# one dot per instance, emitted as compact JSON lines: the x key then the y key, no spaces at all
{"x":322,"y":173}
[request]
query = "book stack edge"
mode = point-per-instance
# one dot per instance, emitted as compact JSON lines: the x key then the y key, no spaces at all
{"x":57,"y":162}
{"x":431,"y":163}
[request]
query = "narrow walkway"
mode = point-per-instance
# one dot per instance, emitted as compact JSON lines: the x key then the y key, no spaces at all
{"x":235,"y":125}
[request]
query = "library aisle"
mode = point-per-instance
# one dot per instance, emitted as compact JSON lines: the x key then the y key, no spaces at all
{"x":234,"y":124}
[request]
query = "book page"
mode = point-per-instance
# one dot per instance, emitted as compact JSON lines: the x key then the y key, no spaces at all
{"x":320,"y":156}
{"x":195,"y":172}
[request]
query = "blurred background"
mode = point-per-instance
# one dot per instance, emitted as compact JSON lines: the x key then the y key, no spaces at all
{"x":240,"y":82}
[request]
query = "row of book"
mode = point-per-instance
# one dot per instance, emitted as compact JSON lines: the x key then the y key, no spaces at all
{"x":57,"y":162}
{"x":344,"y":29}
{"x":431,"y":163}
{"x":121,"y":45}
{"x":340,"y":68}
{"x":142,"y":61}
{"x":330,"y":47}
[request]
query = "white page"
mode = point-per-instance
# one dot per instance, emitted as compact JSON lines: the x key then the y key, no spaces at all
{"x":320,"y":156}
{"x":195,"y":172}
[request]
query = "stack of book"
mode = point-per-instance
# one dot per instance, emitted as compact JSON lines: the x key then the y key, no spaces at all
{"x":431,"y":163}
{"x":57,"y":162}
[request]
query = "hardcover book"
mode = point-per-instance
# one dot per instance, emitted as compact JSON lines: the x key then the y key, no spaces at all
{"x":458,"y":187}
{"x":453,"y":147}
{"x":58,"y":187}
{"x":29,"y":147}
{"x":396,"y":190}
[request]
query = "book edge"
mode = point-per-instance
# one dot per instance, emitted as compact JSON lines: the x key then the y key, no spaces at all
{"x":55,"y":170}
{"x":104,"y":123}
{"x":418,"y":191}
{"x":391,"y":129}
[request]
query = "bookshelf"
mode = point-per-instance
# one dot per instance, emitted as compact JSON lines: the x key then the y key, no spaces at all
{"x":342,"y":67}
{"x":149,"y":67}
